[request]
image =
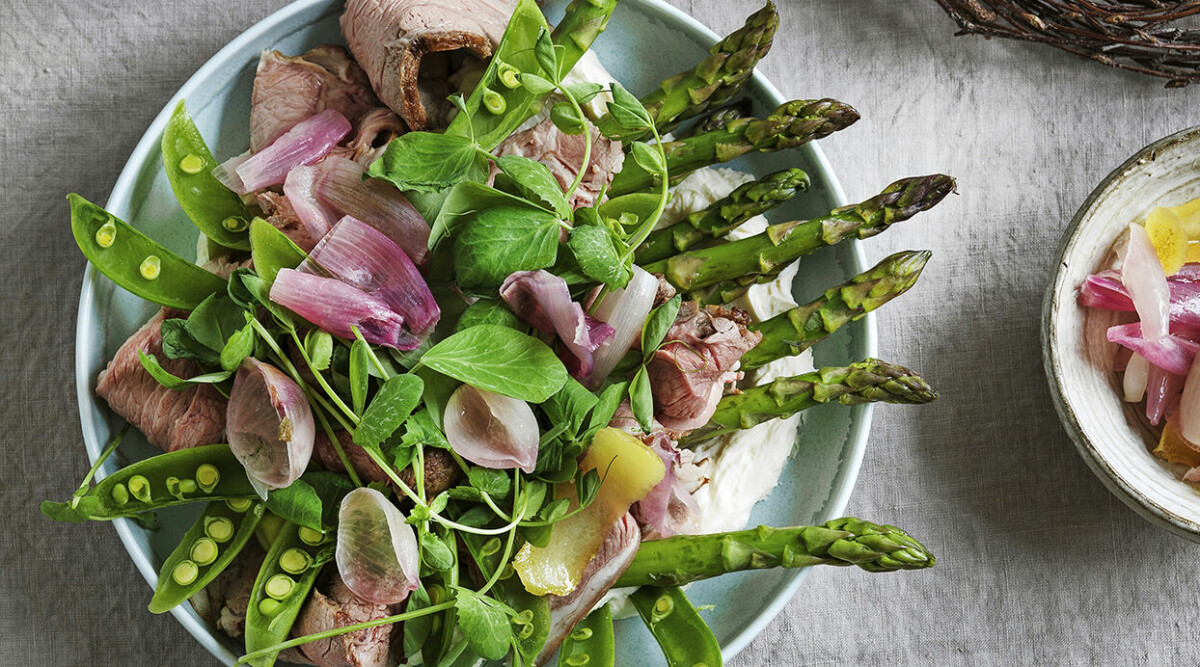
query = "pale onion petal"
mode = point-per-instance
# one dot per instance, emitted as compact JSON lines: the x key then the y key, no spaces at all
{"x":336,"y":307}
{"x":1142,"y":274}
{"x":299,"y":189}
{"x":1189,"y":405}
{"x":543,"y":300}
{"x":376,"y":554}
{"x":367,"y":259}
{"x":226,"y":173}
{"x":340,"y":185}
{"x":307,"y":141}
{"x":491,"y":430}
{"x":1134,"y":382}
{"x":626,"y":311}
{"x":269,"y":425}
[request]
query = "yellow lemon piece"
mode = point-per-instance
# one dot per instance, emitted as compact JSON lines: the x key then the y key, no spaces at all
{"x":1189,"y":216}
{"x":1174,"y":449}
{"x":1166,"y":233}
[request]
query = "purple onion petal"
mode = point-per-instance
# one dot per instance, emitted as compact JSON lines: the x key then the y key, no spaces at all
{"x":543,"y":300}
{"x":340,"y":185}
{"x":377,"y":554}
{"x":1171,"y":353}
{"x":307,"y":141}
{"x":269,"y":425}
{"x":299,"y":189}
{"x":336,"y":307}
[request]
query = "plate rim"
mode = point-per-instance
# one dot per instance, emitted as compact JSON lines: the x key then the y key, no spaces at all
{"x":860,"y":421}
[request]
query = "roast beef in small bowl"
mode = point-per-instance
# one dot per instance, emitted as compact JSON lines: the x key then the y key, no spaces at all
{"x":1121,"y":328}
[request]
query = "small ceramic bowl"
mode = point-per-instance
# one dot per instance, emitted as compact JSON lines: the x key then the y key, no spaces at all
{"x":1114,"y":437}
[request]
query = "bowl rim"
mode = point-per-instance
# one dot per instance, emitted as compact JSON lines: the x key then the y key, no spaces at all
{"x":1116,"y":483}
{"x":677,"y":19}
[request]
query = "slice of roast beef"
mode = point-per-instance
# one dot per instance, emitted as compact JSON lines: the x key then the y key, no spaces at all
{"x":332,"y":606}
{"x":391,"y":39}
{"x":691,"y":370}
{"x":282,"y":216}
{"x":288,"y":90}
{"x":169,"y":419}
{"x":373,"y":133}
{"x":563,"y":155}
{"x":440,"y":469}
{"x":614,"y":557}
{"x":223,"y":602}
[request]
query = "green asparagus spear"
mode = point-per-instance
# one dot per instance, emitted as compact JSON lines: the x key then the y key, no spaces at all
{"x":717,"y":119}
{"x":770,"y":251}
{"x":868,"y":381}
{"x":581,"y":25}
{"x":718,"y":77}
{"x":748,"y":200}
{"x":791,"y":125}
{"x":800,"y":328}
{"x":674,"y":561}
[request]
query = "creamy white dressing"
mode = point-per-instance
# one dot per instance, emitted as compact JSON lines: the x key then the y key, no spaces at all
{"x":743,"y":467}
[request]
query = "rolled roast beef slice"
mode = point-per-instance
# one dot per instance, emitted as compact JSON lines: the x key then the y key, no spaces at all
{"x":336,"y":606}
{"x":169,"y":419}
{"x":288,"y":90}
{"x":563,"y":155}
{"x":615,"y":555}
{"x":391,"y":38}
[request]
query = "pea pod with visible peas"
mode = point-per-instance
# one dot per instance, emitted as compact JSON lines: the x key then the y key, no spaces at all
{"x":590,"y":642}
{"x":175,"y":478}
{"x":214,"y":208}
{"x":136,"y":262}
{"x":287,"y":575}
{"x":205,"y":551}
{"x":684,"y":637}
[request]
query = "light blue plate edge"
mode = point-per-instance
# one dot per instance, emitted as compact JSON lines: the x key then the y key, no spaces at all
{"x":84,"y":360}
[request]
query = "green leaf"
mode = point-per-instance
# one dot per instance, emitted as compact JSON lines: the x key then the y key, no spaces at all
{"x":438,"y":388}
{"x":584,"y":92}
{"x":596,"y":253}
{"x":487,"y":311}
{"x":534,"y":180}
{"x":637,"y":206}
{"x":330,"y":487}
{"x":495,"y":483}
{"x":641,"y":400}
{"x":464,"y":202}
{"x":589,"y":486}
{"x":239,"y":346}
{"x":484,"y":623}
{"x":570,"y":406}
{"x":421,"y":429}
{"x":500,"y":360}
{"x":497,"y":242}
{"x":537,"y":85}
{"x":298,"y":503}
{"x":214,"y":321}
{"x":392,"y":405}
{"x":416,"y":630}
{"x":650,"y":159}
{"x":532,"y":496}
{"x":567,"y":119}
{"x":272,"y":251}
{"x":178,"y":343}
{"x":360,"y":376}
{"x":171,"y":381}
{"x":555,"y":510}
{"x":544,"y":50}
{"x":530,"y":637}
{"x":628,"y":110}
{"x":606,"y":407}
{"x":435,"y":553}
{"x":657,"y":325}
{"x":260,"y":291}
{"x":428,"y":162}
{"x":318,"y":345}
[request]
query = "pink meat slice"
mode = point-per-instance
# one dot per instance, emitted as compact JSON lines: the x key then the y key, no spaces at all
{"x":336,"y":607}
{"x":690,"y":373}
{"x":288,"y":90}
{"x":391,"y":39}
{"x":563,"y":155}
{"x":169,"y":419}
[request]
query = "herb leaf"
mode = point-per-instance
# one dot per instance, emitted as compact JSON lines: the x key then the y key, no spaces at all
{"x":487,"y":311}
{"x":239,"y":346}
{"x":606,"y":407}
{"x":484,"y":623}
{"x":657,"y":325}
{"x":298,"y":503}
{"x":537,"y":85}
{"x":567,"y":119}
{"x":359,"y":374}
{"x":570,"y":406}
{"x":641,"y":400}
{"x":648,"y":158}
{"x":172,"y":381}
{"x":544,"y":50}
{"x":428,"y":162}
{"x":500,"y":241}
{"x":584,"y":92}
{"x":534,"y":180}
{"x":596,"y":253}
{"x":318,"y":345}
{"x":500,"y":360}
{"x":628,"y":110}
{"x":392,"y":405}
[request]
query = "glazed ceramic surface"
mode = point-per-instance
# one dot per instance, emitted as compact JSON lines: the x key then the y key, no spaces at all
{"x":1114,"y":437}
{"x":814,"y":488}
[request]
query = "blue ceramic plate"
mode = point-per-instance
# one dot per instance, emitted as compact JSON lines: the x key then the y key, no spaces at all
{"x":646,"y":41}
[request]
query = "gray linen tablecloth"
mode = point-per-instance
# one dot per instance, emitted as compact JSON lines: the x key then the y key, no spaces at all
{"x":1038,"y":563}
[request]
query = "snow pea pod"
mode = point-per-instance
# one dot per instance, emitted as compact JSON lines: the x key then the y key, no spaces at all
{"x":136,"y":262}
{"x":175,"y":478}
{"x":590,"y":642}
{"x":214,"y":208}
{"x":287,"y":576}
{"x":204,"y":552}
{"x":684,"y":637}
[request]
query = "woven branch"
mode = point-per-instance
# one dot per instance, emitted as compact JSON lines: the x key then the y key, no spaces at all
{"x":1147,"y":36}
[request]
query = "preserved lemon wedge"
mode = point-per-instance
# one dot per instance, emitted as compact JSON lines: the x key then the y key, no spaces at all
{"x":1167,"y":235}
{"x":1189,"y":217}
{"x":629,"y":470}
{"x":1172,"y":448}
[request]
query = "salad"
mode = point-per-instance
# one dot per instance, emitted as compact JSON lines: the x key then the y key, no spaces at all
{"x":480,"y":349}
{"x":1157,"y":279}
